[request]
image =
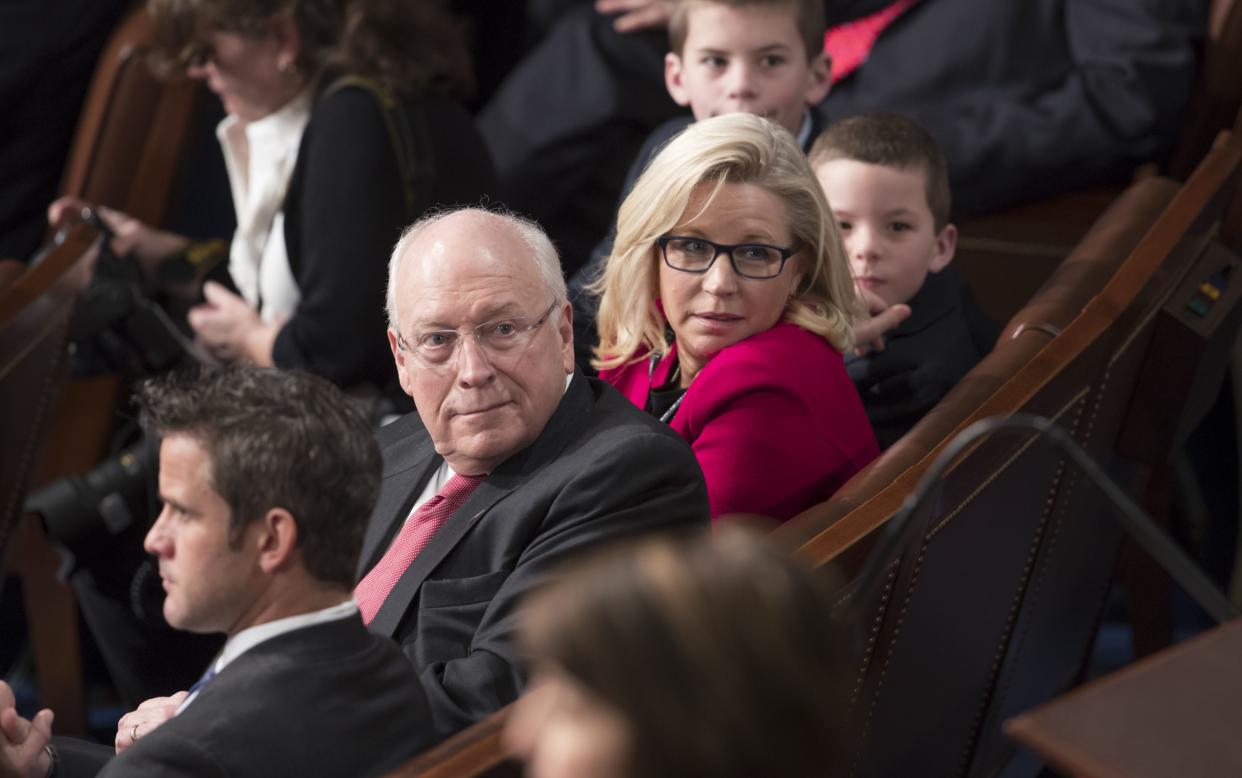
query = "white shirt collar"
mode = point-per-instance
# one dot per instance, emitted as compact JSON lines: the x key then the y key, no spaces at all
{"x":250,"y":637}
{"x":804,"y":130}
{"x":260,"y":157}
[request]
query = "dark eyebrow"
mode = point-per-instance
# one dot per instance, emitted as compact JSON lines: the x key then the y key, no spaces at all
{"x":772,"y":47}
{"x":175,"y":505}
{"x":747,"y":239}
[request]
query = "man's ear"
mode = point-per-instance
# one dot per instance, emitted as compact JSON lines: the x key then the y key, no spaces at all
{"x":673,"y":74}
{"x":278,"y":537}
{"x":819,"y":79}
{"x":946,"y":245}
{"x":402,"y":361}
{"x":565,"y":328}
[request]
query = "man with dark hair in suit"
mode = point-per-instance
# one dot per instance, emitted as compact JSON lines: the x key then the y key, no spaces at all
{"x":266,"y":479}
{"x":513,"y":461}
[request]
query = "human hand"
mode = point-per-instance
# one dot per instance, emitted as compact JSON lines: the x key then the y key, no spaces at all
{"x":129,"y":235}
{"x":637,"y":14}
{"x":145,"y":719}
{"x":22,"y":742}
{"x":230,"y":329}
{"x":881,"y":317}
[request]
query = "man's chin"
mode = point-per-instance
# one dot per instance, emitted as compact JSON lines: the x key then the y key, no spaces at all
{"x":481,"y":453}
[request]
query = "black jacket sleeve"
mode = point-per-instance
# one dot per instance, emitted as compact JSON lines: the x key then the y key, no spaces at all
{"x":1034,"y":97}
{"x":345,"y":210}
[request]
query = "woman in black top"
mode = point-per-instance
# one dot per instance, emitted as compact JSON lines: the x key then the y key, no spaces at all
{"x":342,"y":128}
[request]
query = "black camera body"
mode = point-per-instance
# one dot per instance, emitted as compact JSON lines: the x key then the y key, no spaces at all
{"x":83,"y":514}
{"x":119,"y":327}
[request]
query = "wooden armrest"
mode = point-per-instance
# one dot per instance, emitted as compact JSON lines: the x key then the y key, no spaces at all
{"x":475,"y":751}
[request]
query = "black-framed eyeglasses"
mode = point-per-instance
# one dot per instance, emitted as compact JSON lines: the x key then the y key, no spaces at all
{"x":507,"y":336}
{"x":749,"y":260}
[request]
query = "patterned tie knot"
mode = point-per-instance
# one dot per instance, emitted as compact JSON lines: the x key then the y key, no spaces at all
{"x":412,"y":538}
{"x":458,"y":488}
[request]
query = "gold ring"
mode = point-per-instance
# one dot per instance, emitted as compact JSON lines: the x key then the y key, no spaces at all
{"x":133,"y":733}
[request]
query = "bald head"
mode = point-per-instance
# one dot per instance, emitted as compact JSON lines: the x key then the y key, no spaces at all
{"x":432,"y":241}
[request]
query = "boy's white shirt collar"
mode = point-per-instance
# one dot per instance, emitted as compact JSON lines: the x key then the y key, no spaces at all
{"x":804,"y":130}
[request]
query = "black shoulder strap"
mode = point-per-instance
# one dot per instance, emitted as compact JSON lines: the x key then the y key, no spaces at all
{"x":415,"y":179}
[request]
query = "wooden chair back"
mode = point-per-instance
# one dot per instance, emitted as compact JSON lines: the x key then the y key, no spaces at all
{"x":1217,"y":94}
{"x":133,"y":129}
{"x":35,"y":311}
{"x":993,"y":605}
{"x":885,"y":483}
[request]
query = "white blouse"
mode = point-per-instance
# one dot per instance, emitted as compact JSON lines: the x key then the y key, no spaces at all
{"x":260,"y":157}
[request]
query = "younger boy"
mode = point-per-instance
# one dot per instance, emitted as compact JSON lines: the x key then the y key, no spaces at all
{"x":764,"y":57}
{"x":887,"y":183}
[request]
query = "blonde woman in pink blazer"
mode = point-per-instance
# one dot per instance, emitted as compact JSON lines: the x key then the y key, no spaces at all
{"x":725,"y":308}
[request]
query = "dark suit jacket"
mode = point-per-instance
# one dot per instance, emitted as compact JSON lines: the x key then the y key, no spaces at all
{"x":1028,"y":98}
{"x":1025,"y":96}
{"x":924,"y":357}
{"x":569,"y":118}
{"x":601,"y":469}
{"x":328,"y":700}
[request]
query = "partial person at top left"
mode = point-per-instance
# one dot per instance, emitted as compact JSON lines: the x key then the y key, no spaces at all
{"x":343,"y":125}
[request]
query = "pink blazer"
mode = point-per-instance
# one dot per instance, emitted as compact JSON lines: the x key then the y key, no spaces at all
{"x":774,"y":420}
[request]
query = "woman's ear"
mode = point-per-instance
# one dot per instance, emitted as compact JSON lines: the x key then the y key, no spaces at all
{"x":796,"y":288}
{"x":288,"y":40}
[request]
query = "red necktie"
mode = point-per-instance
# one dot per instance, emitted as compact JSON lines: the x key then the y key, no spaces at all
{"x":415,"y":534}
{"x":849,"y":44}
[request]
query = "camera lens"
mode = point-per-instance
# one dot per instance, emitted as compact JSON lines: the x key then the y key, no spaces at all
{"x":80,"y":513}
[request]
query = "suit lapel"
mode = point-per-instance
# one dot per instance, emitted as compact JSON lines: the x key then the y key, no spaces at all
{"x":512,"y":473}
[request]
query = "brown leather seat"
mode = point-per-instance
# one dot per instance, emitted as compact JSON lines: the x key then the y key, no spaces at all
{"x":1217,"y":95}
{"x":130,"y":137}
{"x":1062,"y":297}
{"x":35,"y":308}
{"x":133,"y":129}
{"x":35,"y":311}
{"x":992,"y":604}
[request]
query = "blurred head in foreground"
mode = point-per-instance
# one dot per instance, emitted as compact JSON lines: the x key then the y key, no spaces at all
{"x":696,"y":655}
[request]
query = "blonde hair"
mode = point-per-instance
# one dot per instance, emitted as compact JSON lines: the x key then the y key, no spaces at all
{"x":735,"y":148}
